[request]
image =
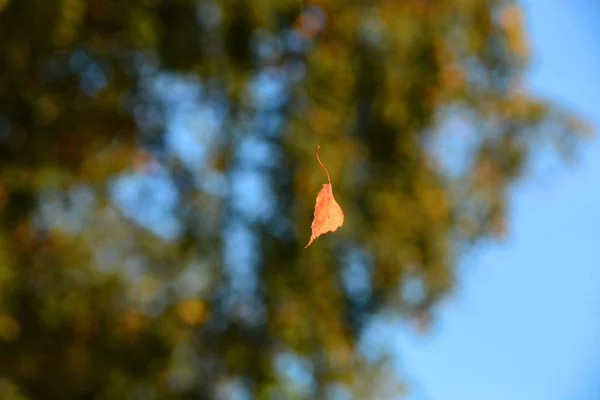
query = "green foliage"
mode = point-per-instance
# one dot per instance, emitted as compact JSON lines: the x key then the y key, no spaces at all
{"x":96,"y":304}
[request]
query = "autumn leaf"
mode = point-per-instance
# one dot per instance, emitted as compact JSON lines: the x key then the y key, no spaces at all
{"x":328,"y":213}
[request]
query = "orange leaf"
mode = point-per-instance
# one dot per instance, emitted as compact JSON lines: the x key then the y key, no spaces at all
{"x":328,"y":213}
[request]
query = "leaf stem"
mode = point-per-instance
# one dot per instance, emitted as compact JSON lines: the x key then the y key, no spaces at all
{"x":322,"y":166}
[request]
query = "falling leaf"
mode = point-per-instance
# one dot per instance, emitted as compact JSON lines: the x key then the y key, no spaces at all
{"x":328,"y":213}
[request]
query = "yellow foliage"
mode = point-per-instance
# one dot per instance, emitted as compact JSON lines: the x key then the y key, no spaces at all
{"x":10,"y":329}
{"x":192,"y":311}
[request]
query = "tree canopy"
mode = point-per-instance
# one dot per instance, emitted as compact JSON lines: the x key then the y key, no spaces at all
{"x":157,"y":184}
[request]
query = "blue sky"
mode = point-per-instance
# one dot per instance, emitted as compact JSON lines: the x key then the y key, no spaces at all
{"x":525,"y":324}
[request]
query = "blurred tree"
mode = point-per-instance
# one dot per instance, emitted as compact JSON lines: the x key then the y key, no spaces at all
{"x":157,"y":181}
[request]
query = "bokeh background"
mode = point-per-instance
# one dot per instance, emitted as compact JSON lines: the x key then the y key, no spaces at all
{"x":157,"y":184}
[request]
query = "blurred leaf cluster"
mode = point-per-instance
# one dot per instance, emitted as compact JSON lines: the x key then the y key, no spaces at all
{"x":157,"y":181}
